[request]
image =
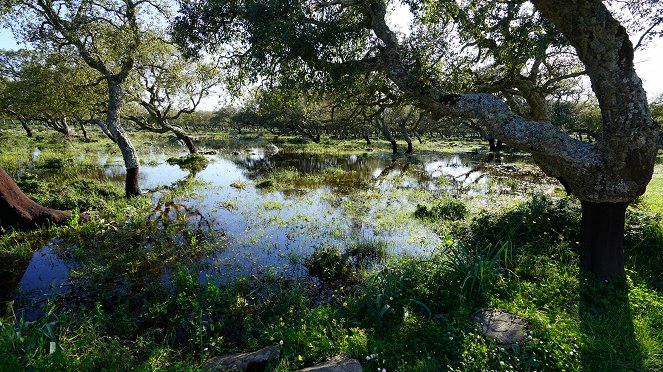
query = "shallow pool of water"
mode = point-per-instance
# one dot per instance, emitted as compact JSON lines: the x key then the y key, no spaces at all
{"x":273,"y":229}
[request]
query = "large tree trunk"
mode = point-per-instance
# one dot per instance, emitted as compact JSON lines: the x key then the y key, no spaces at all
{"x":20,"y":212}
{"x":124,"y":143}
{"x":602,"y":238}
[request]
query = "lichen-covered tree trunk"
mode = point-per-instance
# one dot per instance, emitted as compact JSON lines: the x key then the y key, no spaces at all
{"x":129,"y":154}
{"x":20,"y":212}
{"x":104,"y":129}
{"x":611,"y":172}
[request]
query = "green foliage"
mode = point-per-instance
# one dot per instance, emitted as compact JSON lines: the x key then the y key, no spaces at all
{"x":539,"y":222}
{"x":383,"y":299}
{"x":194,"y":163}
{"x":476,"y":270}
{"x":329,"y":263}
{"x":447,"y":208}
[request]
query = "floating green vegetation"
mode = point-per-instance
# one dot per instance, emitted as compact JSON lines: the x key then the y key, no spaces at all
{"x":240,"y":185}
{"x":447,"y":208}
{"x":192,"y":162}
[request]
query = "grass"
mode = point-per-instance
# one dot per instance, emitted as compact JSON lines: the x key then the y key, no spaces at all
{"x":653,"y":198}
{"x":138,"y":300}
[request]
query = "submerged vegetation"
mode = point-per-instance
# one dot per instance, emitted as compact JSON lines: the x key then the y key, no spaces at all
{"x":142,"y":290}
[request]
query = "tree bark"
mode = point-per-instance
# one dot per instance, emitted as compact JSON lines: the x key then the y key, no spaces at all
{"x":491,"y":145}
{"x":407,"y":138}
{"x":105,"y":130}
{"x":20,"y":212}
{"x":365,"y":134}
{"x":189,"y":144}
{"x":25,"y":126}
{"x":124,"y":143}
{"x":84,"y":131}
{"x":602,"y":239}
{"x":387,"y":133}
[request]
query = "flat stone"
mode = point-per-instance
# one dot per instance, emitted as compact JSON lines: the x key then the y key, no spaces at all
{"x":501,"y":326}
{"x":336,"y":364}
{"x":255,"y":361}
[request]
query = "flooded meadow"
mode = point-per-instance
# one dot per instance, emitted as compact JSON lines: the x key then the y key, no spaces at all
{"x":262,"y":212}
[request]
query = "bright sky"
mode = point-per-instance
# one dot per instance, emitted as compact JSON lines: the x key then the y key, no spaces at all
{"x":648,"y":62}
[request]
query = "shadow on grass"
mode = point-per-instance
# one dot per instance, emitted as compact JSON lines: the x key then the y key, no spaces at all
{"x":607,"y":325}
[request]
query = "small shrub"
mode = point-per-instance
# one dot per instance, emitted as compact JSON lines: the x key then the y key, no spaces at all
{"x":52,"y":164}
{"x":445,"y":209}
{"x":384,"y":298}
{"x":538,"y":224}
{"x":365,"y":251}
{"x":329,"y":263}
{"x":193,"y":162}
{"x":475,"y":269}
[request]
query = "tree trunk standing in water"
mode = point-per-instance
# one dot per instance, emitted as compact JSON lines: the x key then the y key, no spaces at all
{"x":22,"y":213}
{"x":406,"y":136}
{"x":182,"y":135}
{"x":384,"y":128}
{"x":129,"y":154}
{"x":605,"y":176}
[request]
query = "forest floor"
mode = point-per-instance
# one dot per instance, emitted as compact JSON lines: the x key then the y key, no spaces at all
{"x":138,"y":293}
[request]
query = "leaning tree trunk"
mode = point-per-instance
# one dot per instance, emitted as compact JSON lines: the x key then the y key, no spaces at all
{"x":124,"y":143}
{"x":182,"y":135}
{"x":25,"y":126}
{"x":406,"y":136}
{"x":189,"y":144}
{"x":24,"y":122}
{"x":82,"y":125}
{"x":20,"y":212}
{"x":105,"y":130}
{"x":387,"y":133}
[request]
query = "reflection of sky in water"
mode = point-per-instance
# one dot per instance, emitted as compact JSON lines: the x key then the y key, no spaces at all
{"x":273,"y":230}
{"x":45,"y":276}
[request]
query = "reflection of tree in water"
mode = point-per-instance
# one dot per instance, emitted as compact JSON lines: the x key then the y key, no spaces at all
{"x":463,"y":171}
{"x":169,"y":212}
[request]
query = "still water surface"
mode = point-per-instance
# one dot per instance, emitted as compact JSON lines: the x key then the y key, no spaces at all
{"x":272,"y":230}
